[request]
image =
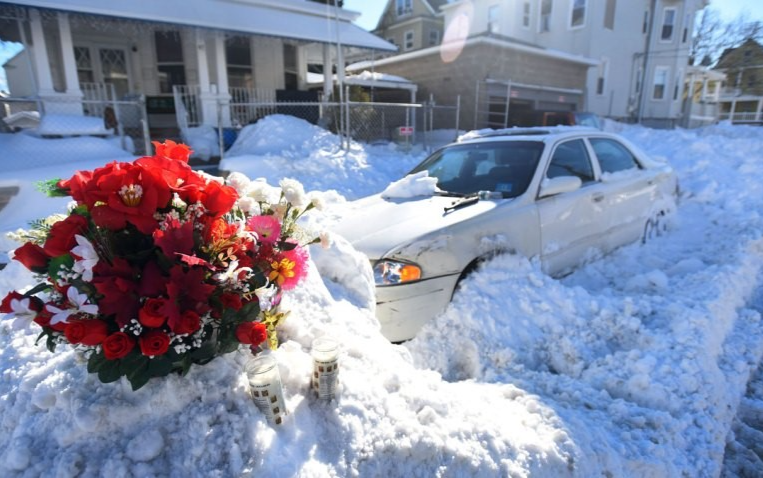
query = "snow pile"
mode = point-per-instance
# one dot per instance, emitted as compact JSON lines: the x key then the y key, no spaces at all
{"x":280,"y":146}
{"x":418,"y":184}
{"x":70,"y":125}
{"x":202,"y":140}
{"x":22,"y":151}
{"x":633,"y":366}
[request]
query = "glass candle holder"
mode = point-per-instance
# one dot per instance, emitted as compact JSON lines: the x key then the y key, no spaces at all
{"x":265,"y":387}
{"x":325,"y":353}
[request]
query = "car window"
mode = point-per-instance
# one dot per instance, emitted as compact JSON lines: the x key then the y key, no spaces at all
{"x":612,"y":155}
{"x":502,"y":166}
{"x":571,"y":159}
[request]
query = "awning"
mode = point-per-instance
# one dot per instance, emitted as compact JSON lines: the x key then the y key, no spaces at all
{"x":299,"y":20}
{"x":369,"y":79}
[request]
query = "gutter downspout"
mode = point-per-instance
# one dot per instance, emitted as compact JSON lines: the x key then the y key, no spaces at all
{"x":650,"y":29}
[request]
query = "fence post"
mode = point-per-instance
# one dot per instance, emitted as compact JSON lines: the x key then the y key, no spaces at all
{"x":348,"y":121}
{"x":458,"y":114}
{"x":476,"y":104}
{"x":144,"y":125}
{"x":220,"y":127}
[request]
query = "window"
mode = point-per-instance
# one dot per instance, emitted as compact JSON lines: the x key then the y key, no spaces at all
{"x":660,"y":82}
{"x":613,"y":156}
{"x":493,"y":14}
{"x":408,"y":43}
{"x":434,"y":37}
{"x":85,"y":72}
{"x":403,"y":7}
{"x":169,"y":60}
{"x":751,"y":80}
{"x":602,"y":78}
{"x":577,"y":19}
{"x":571,"y":159}
{"x":668,"y":23}
{"x":238,"y":55}
{"x":290,"y":70}
{"x":609,"y":14}
{"x":545,"y":16}
{"x":526,"y":14}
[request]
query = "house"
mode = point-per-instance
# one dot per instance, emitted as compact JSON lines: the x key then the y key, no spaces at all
{"x":621,"y":59}
{"x":742,"y":97}
{"x":702,"y":96}
{"x":411,"y":24}
{"x":211,"y":51}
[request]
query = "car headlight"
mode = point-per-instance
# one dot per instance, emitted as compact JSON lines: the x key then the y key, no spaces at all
{"x":389,"y":272}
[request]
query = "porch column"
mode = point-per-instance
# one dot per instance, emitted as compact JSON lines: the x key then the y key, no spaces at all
{"x":206,"y":96}
{"x":67,"y":53}
{"x":733,"y":110}
{"x":757,"y":113}
{"x":40,"y":55}
{"x":222,"y":79}
{"x":327,"y":72}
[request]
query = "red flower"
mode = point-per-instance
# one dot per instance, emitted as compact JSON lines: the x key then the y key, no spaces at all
{"x":172,"y":150}
{"x":86,"y":332}
{"x":253,"y":333}
{"x":33,"y":257}
{"x":129,"y":194}
{"x":61,"y":236}
{"x":154,"y":342}
{"x":117,"y":345}
{"x":231,"y":301}
{"x":116,"y":283}
{"x":190,"y":322}
{"x":186,"y":291}
{"x":216,"y":198}
{"x":175,"y":239}
{"x":5,"y":305}
{"x":150,"y":315}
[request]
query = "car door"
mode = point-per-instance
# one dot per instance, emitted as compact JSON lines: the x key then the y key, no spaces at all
{"x":571,"y":223}
{"x":628,"y":191}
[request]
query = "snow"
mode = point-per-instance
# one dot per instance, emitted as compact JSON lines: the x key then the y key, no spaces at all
{"x":632,"y":366}
{"x":71,"y":125}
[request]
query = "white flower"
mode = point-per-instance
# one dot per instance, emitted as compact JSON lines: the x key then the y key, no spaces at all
{"x":293,"y":192}
{"x":79,"y":301}
{"x":266,"y":295}
{"x":24,"y":315}
{"x":239,"y":182}
{"x":317,"y":201}
{"x":261,"y":191}
{"x":249,"y":206}
{"x":326,"y":239}
{"x":89,"y":258}
{"x":232,"y":273}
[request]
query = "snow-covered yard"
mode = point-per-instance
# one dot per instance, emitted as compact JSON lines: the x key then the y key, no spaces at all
{"x":634,"y":365}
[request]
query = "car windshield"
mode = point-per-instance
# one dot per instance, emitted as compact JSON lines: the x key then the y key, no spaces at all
{"x":502,"y":166}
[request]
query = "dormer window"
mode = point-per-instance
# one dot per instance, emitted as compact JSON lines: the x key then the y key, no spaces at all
{"x":403,"y":7}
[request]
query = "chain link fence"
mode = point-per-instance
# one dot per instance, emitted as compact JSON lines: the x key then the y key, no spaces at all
{"x":79,"y":126}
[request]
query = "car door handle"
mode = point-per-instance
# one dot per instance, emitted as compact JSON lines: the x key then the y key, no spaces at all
{"x":597,"y":197}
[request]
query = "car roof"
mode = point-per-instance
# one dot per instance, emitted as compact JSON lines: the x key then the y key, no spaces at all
{"x":534,"y":133}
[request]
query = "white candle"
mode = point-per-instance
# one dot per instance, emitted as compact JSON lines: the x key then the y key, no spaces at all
{"x":265,"y":387}
{"x":325,"y":354}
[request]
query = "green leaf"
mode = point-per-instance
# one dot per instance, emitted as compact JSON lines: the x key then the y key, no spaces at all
{"x":250,"y":310}
{"x":160,"y":366}
{"x":50,"y":188}
{"x":134,"y":363}
{"x":138,"y":380}
{"x":287,"y":246}
{"x":109,"y":371}
{"x":205,"y":353}
{"x":95,"y":362}
{"x":38,"y":288}
{"x":57,"y":263}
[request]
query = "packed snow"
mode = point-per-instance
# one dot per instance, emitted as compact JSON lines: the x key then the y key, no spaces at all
{"x":633,"y":366}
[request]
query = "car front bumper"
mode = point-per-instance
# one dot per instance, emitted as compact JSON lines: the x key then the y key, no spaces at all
{"x":403,"y":309}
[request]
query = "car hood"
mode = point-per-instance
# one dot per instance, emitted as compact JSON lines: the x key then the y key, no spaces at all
{"x":375,"y":225}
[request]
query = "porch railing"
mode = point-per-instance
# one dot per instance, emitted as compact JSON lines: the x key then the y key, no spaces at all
{"x":250,"y":104}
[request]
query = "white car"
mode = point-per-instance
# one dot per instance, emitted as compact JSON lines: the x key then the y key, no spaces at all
{"x":564,"y":195}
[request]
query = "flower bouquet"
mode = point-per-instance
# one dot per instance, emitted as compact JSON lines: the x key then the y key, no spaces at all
{"x":157,"y":267}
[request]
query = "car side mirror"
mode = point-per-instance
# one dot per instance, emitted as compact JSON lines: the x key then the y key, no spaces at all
{"x":559,"y":185}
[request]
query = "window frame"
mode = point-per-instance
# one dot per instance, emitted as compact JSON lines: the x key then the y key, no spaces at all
{"x":544,"y":18}
{"x":610,"y":12}
{"x":403,"y":8}
{"x":593,"y":178}
{"x":409,"y":43}
{"x":601,"y":80}
{"x":245,"y":68}
{"x":526,"y":14}
{"x":663,"y":70}
{"x":664,"y":24}
{"x":574,"y":6}
{"x":434,"y":37}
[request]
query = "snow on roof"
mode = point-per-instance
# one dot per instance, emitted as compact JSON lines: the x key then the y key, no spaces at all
{"x":368,"y":78}
{"x":299,"y":20}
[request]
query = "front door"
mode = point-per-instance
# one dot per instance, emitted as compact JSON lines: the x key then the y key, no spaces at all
{"x":108,"y":65}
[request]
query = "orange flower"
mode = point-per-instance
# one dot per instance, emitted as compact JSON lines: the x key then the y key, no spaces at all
{"x":282,"y":270}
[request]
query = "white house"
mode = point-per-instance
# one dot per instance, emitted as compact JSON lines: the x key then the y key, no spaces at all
{"x":213,"y":49}
{"x":635,"y":52}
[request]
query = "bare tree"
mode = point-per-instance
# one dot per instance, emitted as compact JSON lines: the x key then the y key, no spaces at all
{"x":712,"y":36}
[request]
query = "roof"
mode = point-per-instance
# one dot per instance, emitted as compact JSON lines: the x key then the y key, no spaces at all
{"x":370,"y":79}
{"x":295,"y":19}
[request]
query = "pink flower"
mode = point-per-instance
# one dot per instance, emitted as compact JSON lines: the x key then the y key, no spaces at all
{"x":268,"y":228}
